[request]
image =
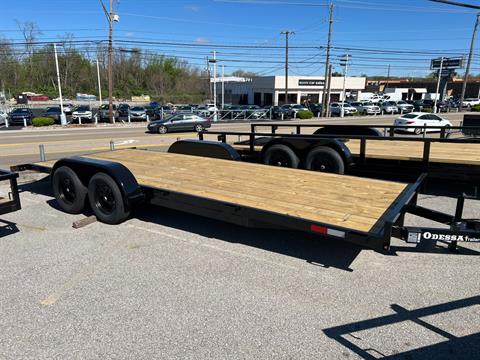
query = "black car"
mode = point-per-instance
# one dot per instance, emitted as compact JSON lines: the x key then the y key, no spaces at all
{"x":123,"y":110}
{"x":54,"y":113}
{"x":151,"y":111}
{"x":281,"y":112}
{"x":17,"y":116}
{"x":179,"y":122}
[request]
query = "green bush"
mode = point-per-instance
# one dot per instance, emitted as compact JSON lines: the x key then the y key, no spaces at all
{"x":475,"y":108}
{"x":427,"y":110}
{"x":43,"y":121}
{"x":304,"y":115}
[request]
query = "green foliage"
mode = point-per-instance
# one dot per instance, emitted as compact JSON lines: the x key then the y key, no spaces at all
{"x":42,"y":121}
{"x":475,"y":108}
{"x":304,"y":115}
{"x":427,"y":110}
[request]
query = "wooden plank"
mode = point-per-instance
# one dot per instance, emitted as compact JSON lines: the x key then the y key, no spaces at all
{"x":345,"y":201}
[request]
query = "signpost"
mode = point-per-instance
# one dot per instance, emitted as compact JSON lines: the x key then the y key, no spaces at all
{"x":446,"y":69}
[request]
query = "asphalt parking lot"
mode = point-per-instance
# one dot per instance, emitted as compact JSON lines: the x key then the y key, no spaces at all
{"x":171,"y":285}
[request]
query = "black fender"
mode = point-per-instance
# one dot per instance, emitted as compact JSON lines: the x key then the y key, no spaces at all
{"x":302,"y":146}
{"x":85,"y":168}
{"x":347,"y":130}
{"x":212,"y":149}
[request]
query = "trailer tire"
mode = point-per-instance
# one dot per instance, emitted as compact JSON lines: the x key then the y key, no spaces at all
{"x":106,"y":199}
{"x":68,"y":190}
{"x":281,"y":155}
{"x":325,"y":159}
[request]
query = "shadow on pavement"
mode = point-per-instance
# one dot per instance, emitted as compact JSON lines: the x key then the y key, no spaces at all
{"x":313,"y":249}
{"x":7,"y":228}
{"x":453,"y":347}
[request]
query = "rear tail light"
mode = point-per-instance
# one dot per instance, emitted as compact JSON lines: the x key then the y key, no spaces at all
{"x":410,"y":122}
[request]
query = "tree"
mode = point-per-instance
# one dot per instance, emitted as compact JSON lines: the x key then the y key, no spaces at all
{"x":243,"y":73}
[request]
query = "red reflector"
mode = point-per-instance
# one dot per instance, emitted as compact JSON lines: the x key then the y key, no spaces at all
{"x":319,"y":229}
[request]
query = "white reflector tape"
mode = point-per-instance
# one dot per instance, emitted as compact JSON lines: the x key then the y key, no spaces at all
{"x":336,"y":233}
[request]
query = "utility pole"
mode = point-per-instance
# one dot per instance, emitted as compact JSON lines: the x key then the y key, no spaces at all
{"x":329,"y":88}
{"x":111,"y":18}
{"x":438,"y":86}
{"x":63,"y":119}
{"x":325,"y":100}
{"x":469,"y":62}
{"x":344,"y":63}
{"x":287,"y":35}
{"x":472,"y":44}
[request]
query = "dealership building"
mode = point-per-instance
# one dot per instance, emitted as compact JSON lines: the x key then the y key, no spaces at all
{"x":270,"y":90}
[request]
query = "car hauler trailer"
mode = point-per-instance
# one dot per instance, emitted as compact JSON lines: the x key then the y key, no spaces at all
{"x":218,"y":185}
{"x":10,"y":202}
{"x":359,"y":150}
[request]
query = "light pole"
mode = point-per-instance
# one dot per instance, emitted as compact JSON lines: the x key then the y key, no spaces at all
{"x":344,"y":63}
{"x":472,"y":44}
{"x":214,"y":61}
{"x":287,"y":34}
{"x":63,"y":119}
{"x":99,"y":83}
{"x":438,"y":86}
{"x":223,"y":86}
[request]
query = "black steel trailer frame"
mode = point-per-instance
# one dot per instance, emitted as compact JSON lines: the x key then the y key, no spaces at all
{"x":13,"y":204}
{"x":390,"y":224}
{"x":360,"y":164}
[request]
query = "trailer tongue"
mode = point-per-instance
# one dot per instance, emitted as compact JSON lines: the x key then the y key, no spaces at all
{"x":363,"y":211}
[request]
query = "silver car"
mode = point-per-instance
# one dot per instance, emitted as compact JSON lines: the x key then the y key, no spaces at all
{"x":389,"y":107}
{"x":365,"y":107}
{"x":137,"y":113}
{"x":404,"y":107}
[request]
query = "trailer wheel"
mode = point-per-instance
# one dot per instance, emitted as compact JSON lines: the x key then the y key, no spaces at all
{"x":68,"y":190}
{"x":106,"y":199}
{"x":325,"y":159}
{"x":281,"y":155}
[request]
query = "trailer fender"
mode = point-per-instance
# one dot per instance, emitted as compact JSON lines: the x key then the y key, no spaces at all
{"x":347,"y":130}
{"x":85,"y":168}
{"x":212,"y":149}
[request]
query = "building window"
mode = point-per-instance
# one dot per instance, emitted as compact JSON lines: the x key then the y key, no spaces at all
{"x":292,"y":99}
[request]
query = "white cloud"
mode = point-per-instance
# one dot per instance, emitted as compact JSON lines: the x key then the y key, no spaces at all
{"x":201,"y":40}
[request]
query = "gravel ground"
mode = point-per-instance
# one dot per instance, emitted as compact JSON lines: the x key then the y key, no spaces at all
{"x":171,"y":285}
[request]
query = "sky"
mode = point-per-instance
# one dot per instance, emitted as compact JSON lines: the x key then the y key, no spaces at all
{"x":246,"y":34}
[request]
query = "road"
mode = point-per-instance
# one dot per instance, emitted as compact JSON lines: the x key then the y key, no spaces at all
{"x":22,"y":146}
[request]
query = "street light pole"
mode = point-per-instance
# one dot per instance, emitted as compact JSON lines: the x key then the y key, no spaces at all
{"x":63,"y":120}
{"x":223,"y":86}
{"x":99,"y":83}
{"x":344,"y":62}
{"x":287,"y":35}
{"x":325,"y":99}
{"x":438,"y":86}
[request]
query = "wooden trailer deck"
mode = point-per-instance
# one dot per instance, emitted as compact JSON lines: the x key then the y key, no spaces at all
{"x":450,"y":153}
{"x":344,"y":201}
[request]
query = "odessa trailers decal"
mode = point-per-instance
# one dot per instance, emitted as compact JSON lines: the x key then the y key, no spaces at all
{"x":416,"y":237}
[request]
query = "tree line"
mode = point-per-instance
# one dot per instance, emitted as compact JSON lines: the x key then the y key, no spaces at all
{"x":30,"y":67}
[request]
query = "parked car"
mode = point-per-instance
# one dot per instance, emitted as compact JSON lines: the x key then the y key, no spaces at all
{"x":315,"y":108}
{"x":297,"y":108}
{"x":179,"y":122}
{"x":389,"y":107}
{"x":17,"y":116}
{"x":278,"y":111}
{"x":137,"y":113}
{"x":336,"y":109}
{"x":163,"y":111}
{"x":366,"y":107}
{"x":104,"y":112}
{"x":185,"y":109}
{"x":404,"y":107}
{"x":82,"y":112}
{"x":54,"y":113}
{"x":470,"y":102}
{"x":231,"y":112}
{"x":122,"y":110}
{"x":253,"y":111}
{"x":421,"y":119}
{"x":67,"y":108}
